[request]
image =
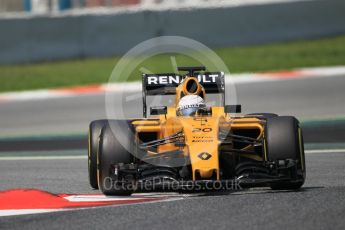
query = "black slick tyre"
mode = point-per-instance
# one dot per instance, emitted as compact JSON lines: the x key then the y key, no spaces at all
{"x":284,"y":140}
{"x":112,"y":151}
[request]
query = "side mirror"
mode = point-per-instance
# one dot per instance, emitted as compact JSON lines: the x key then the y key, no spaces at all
{"x":232,"y":109}
{"x":158,"y":110}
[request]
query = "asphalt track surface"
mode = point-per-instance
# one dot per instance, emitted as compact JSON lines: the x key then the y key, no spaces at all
{"x":319,"y":205}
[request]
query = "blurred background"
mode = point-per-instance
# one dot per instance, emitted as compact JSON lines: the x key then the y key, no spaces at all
{"x":49,"y":46}
{"x":249,"y":35}
{"x":46,"y":6}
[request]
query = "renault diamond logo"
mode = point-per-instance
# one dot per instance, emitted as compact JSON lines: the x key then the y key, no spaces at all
{"x":204,"y":156}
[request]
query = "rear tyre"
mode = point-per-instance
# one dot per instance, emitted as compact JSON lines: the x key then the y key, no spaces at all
{"x":93,"y":138}
{"x":110,"y":152}
{"x":284,"y":140}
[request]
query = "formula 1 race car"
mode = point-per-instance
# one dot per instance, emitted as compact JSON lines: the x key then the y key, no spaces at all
{"x":192,"y":145}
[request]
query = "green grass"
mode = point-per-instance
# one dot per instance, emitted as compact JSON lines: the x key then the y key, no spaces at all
{"x":278,"y":56}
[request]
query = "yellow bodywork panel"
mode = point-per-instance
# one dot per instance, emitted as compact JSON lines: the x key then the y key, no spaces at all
{"x":201,"y":133}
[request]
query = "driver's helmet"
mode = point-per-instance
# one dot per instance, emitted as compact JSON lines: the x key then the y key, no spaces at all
{"x":189,"y":105}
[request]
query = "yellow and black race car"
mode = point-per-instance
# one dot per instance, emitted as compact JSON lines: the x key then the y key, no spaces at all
{"x":191,"y":146}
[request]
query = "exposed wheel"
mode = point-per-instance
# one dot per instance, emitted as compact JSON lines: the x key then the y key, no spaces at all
{"x":113,"y":151}
{"x":284,"y":140}
{"x":93,"y":138}
{"x":263,"y":115}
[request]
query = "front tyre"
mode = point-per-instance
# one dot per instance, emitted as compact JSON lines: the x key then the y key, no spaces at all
{"x":112,"y":152}
{"x":284,"y":140}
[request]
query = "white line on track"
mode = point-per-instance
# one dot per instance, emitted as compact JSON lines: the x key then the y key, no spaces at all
{"x":16,"y":212}
{"x":26,"y":158}
{"x":168,"y":198}
{"x":325,"y":151}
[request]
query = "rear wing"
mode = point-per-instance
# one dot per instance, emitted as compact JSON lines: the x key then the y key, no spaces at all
{"x":166,"y":83}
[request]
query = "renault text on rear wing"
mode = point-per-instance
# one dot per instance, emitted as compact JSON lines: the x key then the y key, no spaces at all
{"x":165,"y":84}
